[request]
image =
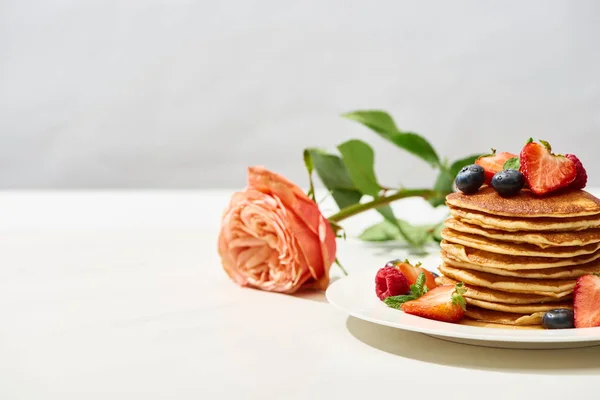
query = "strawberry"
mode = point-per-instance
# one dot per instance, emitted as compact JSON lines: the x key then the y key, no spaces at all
{"x":493,"y":163}
{"x":390,"y":282}
{"x":412,"y":272}
{"x":443,"y":303}
{"x":545,"y":171}
{"x":581,"y":178}
{"x":586,"y":301}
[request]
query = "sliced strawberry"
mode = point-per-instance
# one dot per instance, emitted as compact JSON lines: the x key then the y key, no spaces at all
{"x":545,"y":171}
{"x":493,"y":163}
{"x":390,"y":282}
{"x":586,"y":301}
{"x":443,"y":303}
{"x":581,"y":178}
{"x":412,"y":272}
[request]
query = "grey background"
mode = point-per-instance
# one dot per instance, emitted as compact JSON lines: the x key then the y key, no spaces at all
{"x":186,"y":94}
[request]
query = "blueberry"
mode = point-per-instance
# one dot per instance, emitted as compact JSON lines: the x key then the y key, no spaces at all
{"x":470,"y":178}
{"x":560,"y":318}
{"x":393,"y":263}
{"x":508,"y":182}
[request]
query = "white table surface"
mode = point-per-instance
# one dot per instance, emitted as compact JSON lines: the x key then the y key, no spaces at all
{"x":120,"y":295}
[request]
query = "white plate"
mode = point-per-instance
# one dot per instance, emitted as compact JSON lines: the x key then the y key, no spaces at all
{"x":355,"y":294}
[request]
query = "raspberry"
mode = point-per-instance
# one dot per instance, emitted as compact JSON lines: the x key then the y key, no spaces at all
{"x":581,"y":178}
{"x":390,"y":282}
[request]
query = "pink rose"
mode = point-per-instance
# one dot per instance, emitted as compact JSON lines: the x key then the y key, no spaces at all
{"x":273,"y":236}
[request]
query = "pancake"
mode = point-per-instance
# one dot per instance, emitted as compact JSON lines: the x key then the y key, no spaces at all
{"x":511,"y":224}
{"x":496,"y":296}
{"x":573,"y":272}
{"x":515,"y":249}
{"x":540,"y":239}
{"x":575,"y":203}
{"x":472,"y":322}
{"x":556,"y":287}
{"x":502,"y":261}
{"x":505,"y":318}
{"x":518,"y":308}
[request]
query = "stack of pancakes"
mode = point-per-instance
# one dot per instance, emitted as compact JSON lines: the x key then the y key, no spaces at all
{"x":520,"y":256}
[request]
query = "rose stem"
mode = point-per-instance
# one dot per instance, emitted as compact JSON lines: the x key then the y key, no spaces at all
{"x":381,"y":201}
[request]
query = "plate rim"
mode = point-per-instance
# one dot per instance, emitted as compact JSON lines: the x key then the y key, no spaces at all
{"x":460,"y":331}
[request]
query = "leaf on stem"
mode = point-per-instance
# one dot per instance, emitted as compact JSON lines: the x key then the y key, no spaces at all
{"x":309,"y":168}
{"x":444,"y":185}
{"x":332,"y":172}
{"x":381,"y":123}
{"x":436,"y":232}
{"x":384,"y":231}
{"x":359,"y":160}
{"x":463,"y":162}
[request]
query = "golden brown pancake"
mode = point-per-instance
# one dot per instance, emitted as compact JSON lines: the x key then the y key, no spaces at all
{"x":540,"y":239}
{"x":472,"y":322}
{"x":497,"y":296}
{"x":573,"y":272}
{"x":518,"y":308}
{"x":502,"y":261}
{"x":556,"y":287}
{"x":512,"y":224}
{"x":515,"y":249}
{"x":505,"y":318}
{"x":526,"y":204}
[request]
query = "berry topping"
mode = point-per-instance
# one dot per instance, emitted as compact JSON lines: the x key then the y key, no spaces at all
{"x":390,"y":282}
{"x":508,"y":182}
{"x":411,"y":272}
{"x":560,"y":318}
{"x":581,"y":178}
{"x":493,"y":163}
{"x":470,"y":178}
{"x":545,"y":171}
{"x":443,"y":303}
{"x":586,"y":300}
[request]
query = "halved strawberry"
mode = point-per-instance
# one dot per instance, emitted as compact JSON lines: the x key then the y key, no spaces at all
{"x":493,"y":163}
{"x":586,"y":301}
{"x":581,"y":179}
{"x":412,"y":272}
{"x":545,"y":171}
{"x":443,"y":303}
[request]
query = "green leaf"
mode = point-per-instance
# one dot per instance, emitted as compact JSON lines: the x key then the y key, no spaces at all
{"x":359,"y":160}
{"x":463,"y":162}
{"x":378,"y":121}
{"x":437,"y":231}
{"x":381,"y":123}
{"x":344,"y":198}
{"x":309,"y":168}
{"x":457,"y":296}
{"x":444,"y":185}
{"x":512,"y":163}
{"x":397,"y":301}
{"x":333,"y":174}
{"x":381,"y":232}
{"x":388,"y":214}
{"x":403,"y":228}
{"x":420,"y":282}
{"x":417,"y":235}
